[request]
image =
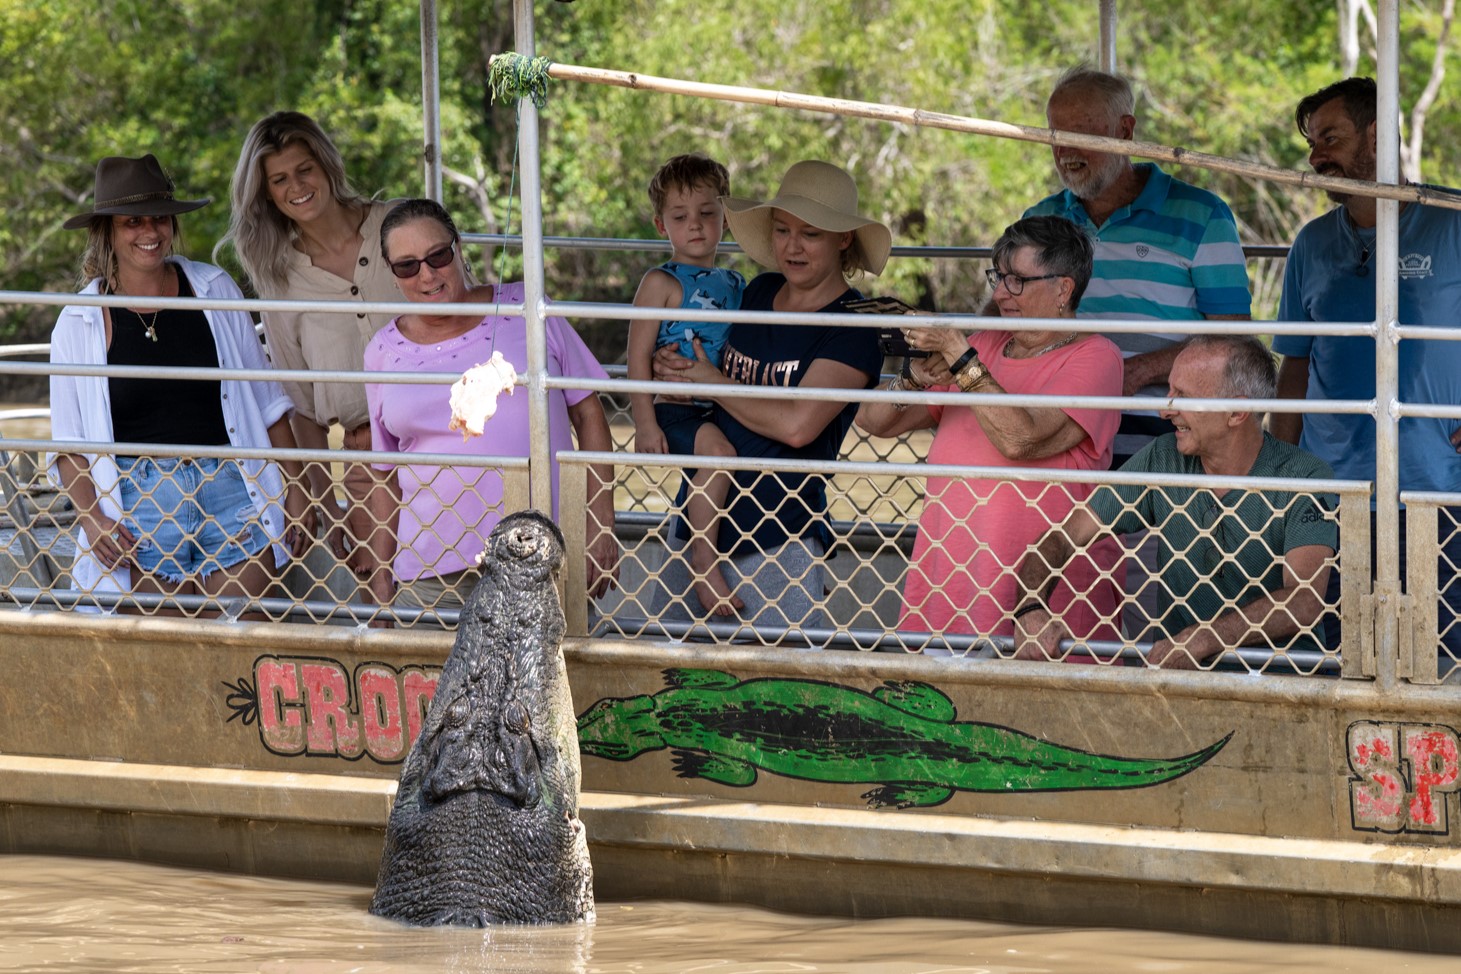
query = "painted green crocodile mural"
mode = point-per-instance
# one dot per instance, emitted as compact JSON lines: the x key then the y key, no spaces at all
{"x":902,"y":736}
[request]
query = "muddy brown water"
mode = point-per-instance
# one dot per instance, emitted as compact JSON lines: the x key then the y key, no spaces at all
{"x":94,"y":915}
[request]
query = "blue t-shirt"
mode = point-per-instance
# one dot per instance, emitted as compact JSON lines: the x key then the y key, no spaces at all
{"x":783,"y":505}
{"x":1322,"y":282}
{"x":1171,"y":254}
{"x":701,"y":287}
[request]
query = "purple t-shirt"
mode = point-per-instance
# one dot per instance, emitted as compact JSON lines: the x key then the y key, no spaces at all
{"x":448,"y":512}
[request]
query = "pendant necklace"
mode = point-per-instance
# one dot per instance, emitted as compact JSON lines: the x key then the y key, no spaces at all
{"x":1048,"y":348}
{"x":149,"y":327}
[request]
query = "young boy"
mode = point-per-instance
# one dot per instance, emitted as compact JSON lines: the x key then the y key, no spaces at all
{"x":685,"y":194}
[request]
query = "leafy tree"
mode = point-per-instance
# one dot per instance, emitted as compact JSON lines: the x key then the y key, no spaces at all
{"x":186,"y":78}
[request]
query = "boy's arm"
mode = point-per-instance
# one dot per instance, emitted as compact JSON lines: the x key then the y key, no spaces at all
{"x":660,"y":291}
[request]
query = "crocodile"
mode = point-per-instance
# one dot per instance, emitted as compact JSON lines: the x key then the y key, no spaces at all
{"x":485,"y":825}
{"x":901,"y":736}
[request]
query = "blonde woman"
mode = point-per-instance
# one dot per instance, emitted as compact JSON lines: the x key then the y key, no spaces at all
{"x":302,"y":232}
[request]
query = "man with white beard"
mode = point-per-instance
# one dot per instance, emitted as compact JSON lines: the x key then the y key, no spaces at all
{"x":1165,"y":249}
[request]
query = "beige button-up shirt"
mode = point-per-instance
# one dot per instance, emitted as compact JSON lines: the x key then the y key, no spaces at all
{"x":318,"y":340}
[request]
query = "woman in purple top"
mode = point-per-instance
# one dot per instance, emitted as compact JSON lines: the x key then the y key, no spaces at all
{"x":440,"y":517}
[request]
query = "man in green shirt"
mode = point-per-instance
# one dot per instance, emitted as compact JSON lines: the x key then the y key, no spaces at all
{"x":1239,"y":567}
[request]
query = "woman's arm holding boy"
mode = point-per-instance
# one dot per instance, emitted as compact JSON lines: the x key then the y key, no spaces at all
{"x":795,"y":422}
{"x":660,"y":291}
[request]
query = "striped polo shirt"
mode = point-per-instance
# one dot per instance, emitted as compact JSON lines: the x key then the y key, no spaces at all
{"x":1172,"y":254}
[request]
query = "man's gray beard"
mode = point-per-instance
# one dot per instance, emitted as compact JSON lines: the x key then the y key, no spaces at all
{"x":1096,"y":180}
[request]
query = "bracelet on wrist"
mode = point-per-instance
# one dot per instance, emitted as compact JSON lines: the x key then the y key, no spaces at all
{"x":971,"y":377}
{"x":970,"y":355}
{"x":1028,"y":607}
{"x":898,"y":384}
{"x":910,"y":381}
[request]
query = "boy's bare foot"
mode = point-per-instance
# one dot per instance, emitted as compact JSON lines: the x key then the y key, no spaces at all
{"x":715,"y":595}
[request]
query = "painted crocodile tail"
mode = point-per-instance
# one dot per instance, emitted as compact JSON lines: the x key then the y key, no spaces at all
{"x":1113,"y":772}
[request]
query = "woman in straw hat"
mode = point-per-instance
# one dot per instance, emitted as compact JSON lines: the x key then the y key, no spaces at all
{"x":972,"y":532}
{"x":156,"y":524}
{"x":811,"y":238}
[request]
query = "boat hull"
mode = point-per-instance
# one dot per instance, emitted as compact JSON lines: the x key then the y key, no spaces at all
{"x":275,"y":750}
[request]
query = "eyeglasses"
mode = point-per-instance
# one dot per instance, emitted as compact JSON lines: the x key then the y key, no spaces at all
{"x":1013,"y":283}
{"x":438,"y":258}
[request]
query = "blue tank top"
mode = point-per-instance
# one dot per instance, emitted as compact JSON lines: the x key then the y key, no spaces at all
{"x":701,"y":287}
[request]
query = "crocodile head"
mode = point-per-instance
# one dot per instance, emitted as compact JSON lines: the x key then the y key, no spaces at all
{"x":619,"y":728}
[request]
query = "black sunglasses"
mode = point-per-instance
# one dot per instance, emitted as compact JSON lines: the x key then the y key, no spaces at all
{"x":438,"y":258}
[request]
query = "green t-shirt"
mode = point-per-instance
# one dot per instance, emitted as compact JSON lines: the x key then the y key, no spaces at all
{"x":1216,"y":552}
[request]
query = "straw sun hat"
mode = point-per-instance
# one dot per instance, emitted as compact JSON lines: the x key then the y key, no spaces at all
{"x":822,"y":195}
{"x":132,"y":187}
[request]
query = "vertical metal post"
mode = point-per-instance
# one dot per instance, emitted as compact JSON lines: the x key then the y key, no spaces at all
{"x":431,"y":99}
{"x":1387,"y":353}
{"x":540,"y":474}
{"x":1107,"y":53}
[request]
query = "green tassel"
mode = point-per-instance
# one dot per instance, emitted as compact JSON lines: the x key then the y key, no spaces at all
{"x":514,"y":76}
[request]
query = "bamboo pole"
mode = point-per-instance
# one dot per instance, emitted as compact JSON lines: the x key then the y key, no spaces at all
{"x":1003,"y":130}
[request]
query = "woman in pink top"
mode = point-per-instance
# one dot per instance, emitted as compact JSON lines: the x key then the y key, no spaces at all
{"x":973,"y":532}
{"x":444,"y":514}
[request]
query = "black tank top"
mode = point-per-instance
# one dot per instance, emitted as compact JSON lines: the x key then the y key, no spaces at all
{"x":159,"y":409}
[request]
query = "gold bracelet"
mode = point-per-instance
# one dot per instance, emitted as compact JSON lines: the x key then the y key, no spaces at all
{"x":972,"y":376}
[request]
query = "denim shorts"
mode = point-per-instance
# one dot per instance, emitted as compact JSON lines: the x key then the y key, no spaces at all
{"x":190,"y":517}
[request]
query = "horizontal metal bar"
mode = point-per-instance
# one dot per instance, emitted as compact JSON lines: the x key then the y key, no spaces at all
{"x":641,"y":245}
{"x":648,"y":521}
{"x":246,"y":305}
{"x":628,"y":312}
{"x":1036,"y":401}
{"x":729,"y":390}
{"x":1438,"y":498}
{"x":922,"y":470}
{"x":1207,"y":326}
{"x":231,"y":607}
{"x":229,"y":452}
{"x":1427,"y":410}
{"x":241,"y":375}
{"x":977,"y":649}
{"x":1446,"y":333}
{"x":39,"y":348}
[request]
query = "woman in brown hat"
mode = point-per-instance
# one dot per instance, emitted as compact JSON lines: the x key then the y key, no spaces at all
{"x":158,"y":524}
{"x":811,"y":238}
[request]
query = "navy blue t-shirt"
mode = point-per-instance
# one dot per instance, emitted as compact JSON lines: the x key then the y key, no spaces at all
{"x":783,"y":505}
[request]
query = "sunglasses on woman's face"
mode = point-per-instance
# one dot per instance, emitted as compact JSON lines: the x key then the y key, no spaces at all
{"x":438,"y":258}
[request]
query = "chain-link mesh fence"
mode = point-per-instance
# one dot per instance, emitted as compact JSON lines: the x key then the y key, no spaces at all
{"x":860,"y":576}
{"x":901,"y":557}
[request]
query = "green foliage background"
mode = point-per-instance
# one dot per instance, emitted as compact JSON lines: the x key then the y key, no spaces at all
{"x":186,"y":78}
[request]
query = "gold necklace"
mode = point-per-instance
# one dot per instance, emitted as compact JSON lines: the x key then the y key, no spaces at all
{"x":150,"y":327}
{"x":1048,"y":348}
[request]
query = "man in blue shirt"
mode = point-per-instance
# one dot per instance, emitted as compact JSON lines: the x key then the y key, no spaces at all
{"x":1165,"y":250}
{"x":1329,"y":277}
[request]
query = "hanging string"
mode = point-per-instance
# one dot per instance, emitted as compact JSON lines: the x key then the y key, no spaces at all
{"x":506,"y":229}
{"x":514,"y":76}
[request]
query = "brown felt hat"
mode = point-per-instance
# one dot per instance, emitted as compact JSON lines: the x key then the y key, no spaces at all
{"x":822,"y":195}
{"x":132,"y":187}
